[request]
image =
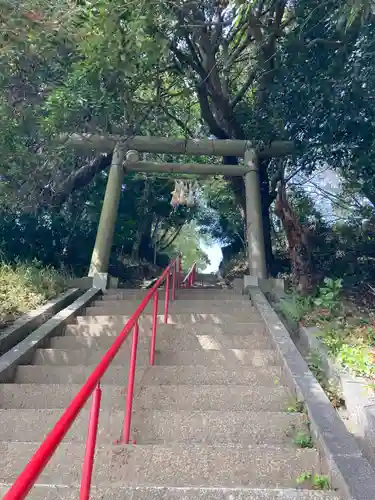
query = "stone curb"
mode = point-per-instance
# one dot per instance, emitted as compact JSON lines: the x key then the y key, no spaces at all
{"x":360,"y":406}
{"x":20,"y":329}
{"x":24,"y":351}
{"x":349,"y":470}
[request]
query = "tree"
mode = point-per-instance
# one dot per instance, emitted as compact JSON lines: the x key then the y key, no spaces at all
{"x":188,"y":244}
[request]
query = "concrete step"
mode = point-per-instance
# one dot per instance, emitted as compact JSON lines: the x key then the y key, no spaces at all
{"x":192,"y":302}
{"x":217,"y":427}
{"x":174,"y":465}
{"x":234,"y":308}
{"x":110,"y":320}
{"x":269,"y":376}
{"x":83,"y":356}
{"x":89,"y":328}
{"x":192,"y":294}
{"x":170,"y":339}
{"x":175,"y":375}
{"x":56,"y":492}
{"x":212,"y":397}
{"x":159,"y":426}
{"x":123,"y":294}
{"x":31,"y":425}
{"x":224,"y":357}
{"x":52,"y":396}
{"x":196,"y":465}
{"x":47,"y":374}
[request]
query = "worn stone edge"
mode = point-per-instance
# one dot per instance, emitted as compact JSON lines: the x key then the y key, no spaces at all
{"x":22,"y":326}
{"x":178,"y":492}
{"x":24,"y":351}
{"x":349,"y":470}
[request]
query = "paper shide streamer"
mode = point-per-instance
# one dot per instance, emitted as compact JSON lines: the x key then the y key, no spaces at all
{"x":184,"y":194}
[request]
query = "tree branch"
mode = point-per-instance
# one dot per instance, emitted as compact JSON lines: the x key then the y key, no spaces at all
{"x":245,"y":87}
{"x":171,"y":240}
{"x":238,"y":51}
{"x":76,"y":180}
{"x":178,"y":121}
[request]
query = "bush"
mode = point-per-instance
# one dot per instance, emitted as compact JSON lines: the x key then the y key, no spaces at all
{"x":24,"y":286}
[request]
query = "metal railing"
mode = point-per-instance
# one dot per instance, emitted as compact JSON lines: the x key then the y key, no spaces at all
{"x":190,"y":277}
{"x":42,"y":456}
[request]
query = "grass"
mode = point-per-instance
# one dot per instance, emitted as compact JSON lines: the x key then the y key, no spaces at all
{"x":25,"y":286}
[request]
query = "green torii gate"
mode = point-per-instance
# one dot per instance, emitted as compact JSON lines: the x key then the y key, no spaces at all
{"x":126,"y":158}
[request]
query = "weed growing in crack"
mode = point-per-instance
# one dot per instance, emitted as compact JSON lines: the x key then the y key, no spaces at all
{"x":314,"y":481}
{"x":303,"y":440}
{"x":295,"y":407}
{"x":315,"y":364}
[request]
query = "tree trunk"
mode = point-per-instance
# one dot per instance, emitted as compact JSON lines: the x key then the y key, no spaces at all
{"x":143,"y":235}
{"x":298,"y":244}
{"x":266,"y":201}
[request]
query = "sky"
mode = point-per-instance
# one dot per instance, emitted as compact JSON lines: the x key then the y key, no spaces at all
{"x":215,"y":255}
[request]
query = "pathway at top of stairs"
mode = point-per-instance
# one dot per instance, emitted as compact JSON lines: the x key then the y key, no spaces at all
{"x":210,"y":420}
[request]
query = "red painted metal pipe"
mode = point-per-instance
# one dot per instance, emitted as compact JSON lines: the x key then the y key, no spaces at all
{"x":190,"y":277}
{"x":129,"y":395}
{"x":42,"y":456}
{"x":179,"y":263}
{"x":166,"y":305}
{"x":174,"y":272}
{"x":154,"y":327}
{"x":88,"y":463}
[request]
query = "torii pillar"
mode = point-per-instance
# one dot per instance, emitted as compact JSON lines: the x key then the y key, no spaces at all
{"x":104,"y":236}
{"x":254,"y":222}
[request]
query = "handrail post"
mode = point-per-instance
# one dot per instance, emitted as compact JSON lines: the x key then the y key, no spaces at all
{"x":154,"y":327}
{"x":166,"y":305}
{"x":129,"y":395}
{"x":174,"y":281}
{"x":179,"y":270}
{"x":92,"y":433}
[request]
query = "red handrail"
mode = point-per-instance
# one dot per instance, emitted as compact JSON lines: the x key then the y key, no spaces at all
{"x":42,"y":456}
{"x":190,"y":277}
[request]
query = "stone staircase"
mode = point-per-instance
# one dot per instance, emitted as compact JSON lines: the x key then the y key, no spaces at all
{"x":210,"y":420}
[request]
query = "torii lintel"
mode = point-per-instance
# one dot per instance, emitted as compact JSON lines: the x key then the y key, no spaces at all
{"x":167,"y":145}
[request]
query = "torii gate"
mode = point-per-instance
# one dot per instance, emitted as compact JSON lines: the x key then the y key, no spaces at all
{"x":126,"y":158}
